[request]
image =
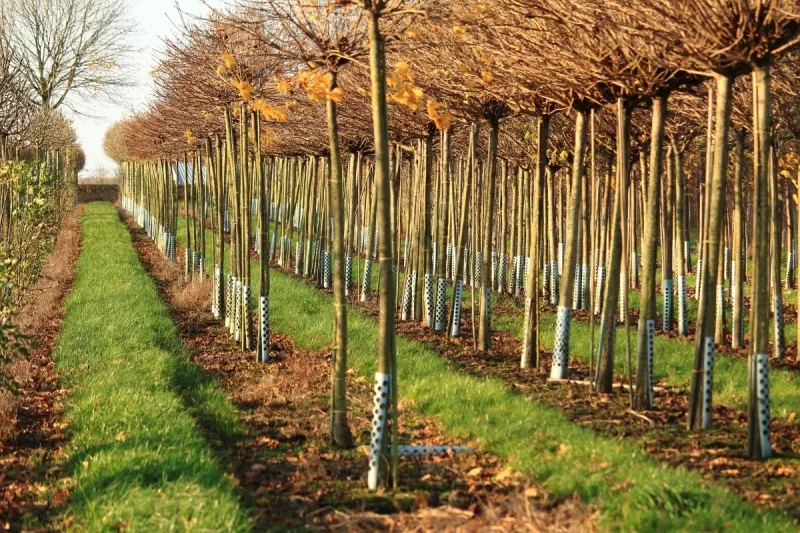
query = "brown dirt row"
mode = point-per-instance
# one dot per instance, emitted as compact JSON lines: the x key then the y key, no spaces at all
{"x":36,"y":434}
{"x":291,"y":478}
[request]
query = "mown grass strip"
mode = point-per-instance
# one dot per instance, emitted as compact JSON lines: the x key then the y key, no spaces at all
{"x":136,"y":452}
{"x":631,"y":491}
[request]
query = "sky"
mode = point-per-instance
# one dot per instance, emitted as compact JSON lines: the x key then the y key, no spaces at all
{"x":155,"y":19}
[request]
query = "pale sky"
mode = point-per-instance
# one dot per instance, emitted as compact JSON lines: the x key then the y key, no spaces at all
{"x":155,"y":19}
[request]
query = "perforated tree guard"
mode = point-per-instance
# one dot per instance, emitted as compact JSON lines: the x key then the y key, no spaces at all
{"x":406,"y":307}
{"x":458,"y":292}
{"x":298,"y":257}
{"x":441,"y":299}
{"x":698,"y":287}
{"x":348,"y":275}
{"x":546,"y":281}
{"x":501,"y":272}
{"x":726,"y":267}
{"x":651,"y":335}
{"x":559,"y":368}
{"x":584,"y":304}
{"x":263,"y":324}
{"x":246,"y":299}
{"x":762,"y":376}
{"x":448,"y":258}
{"x":682,"y":318}
{"x":238,"y":310}
{"x":229,"y":300}
{"x":423,"y":451}
{"x":327,"y":268}
{"x":428,"y":303}
{"x":666,"y":317}
{"x":367,"y":279}
{"x":215,"y":303}
{"x":601,"y":285}
{"x":779,"y":339}
{"x":708,"y":379}
{"x":380,"y":415}
{"x":478,"y":269}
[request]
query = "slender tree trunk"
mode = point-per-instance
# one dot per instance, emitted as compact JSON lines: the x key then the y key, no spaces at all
{"x":758,"y":413}
{"x":702,"y":378}
{"x":681,"y":244}
{"x":608,"y":323}
{"x":530,"y":343}
{"x":386,"y":372}
{"x":460,"y":252}
{"x":779,"y":340}
{"x":485,"y":327}
{"x":738,"y":263}
{"x":667,"y":243}
{"x":441,"y":263}
{"x":560,"y":368}
{"x":647,"y":307}
{"x":340,"y":430}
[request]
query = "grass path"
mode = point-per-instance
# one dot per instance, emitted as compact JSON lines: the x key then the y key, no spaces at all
{"x":631,"y":491}
{"x":136,"y":453}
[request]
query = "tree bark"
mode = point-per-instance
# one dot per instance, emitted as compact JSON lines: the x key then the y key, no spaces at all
{"x":530,"y":343}
{"x":647,"y":307}
{"x":702,"y":377}
{"x":560,"y":368}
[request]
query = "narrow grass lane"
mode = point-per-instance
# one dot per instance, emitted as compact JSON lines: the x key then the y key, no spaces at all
{"x":631,"y":491}
{"x":136,"y":453}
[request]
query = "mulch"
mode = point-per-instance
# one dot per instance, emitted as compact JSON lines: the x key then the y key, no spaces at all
{"x":29,"y":466}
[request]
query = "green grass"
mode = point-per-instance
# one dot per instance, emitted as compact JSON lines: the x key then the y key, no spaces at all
{"x":136,"y":453}
{"x":631,"y":491}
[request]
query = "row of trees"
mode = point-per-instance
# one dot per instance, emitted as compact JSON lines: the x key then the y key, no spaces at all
{"x":39,"y":158}
{"x":554,"y":150}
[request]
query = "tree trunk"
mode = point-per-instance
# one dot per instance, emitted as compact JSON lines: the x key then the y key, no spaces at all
{"x":485,"y":325}
{"x":738,"y":263}
{"x":560,"y":368}
{"x":702,"y":377}
{"x":681,"y":243}
{"x":441,"y":263}
{"x":608,"y":323}
{"x":340,"y":430}
{"x":779,"y":340}
{"x":386,"y":379}
{"x":647,"y":307}
{"x":758,"y":412}
{"x":530,"y":343}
